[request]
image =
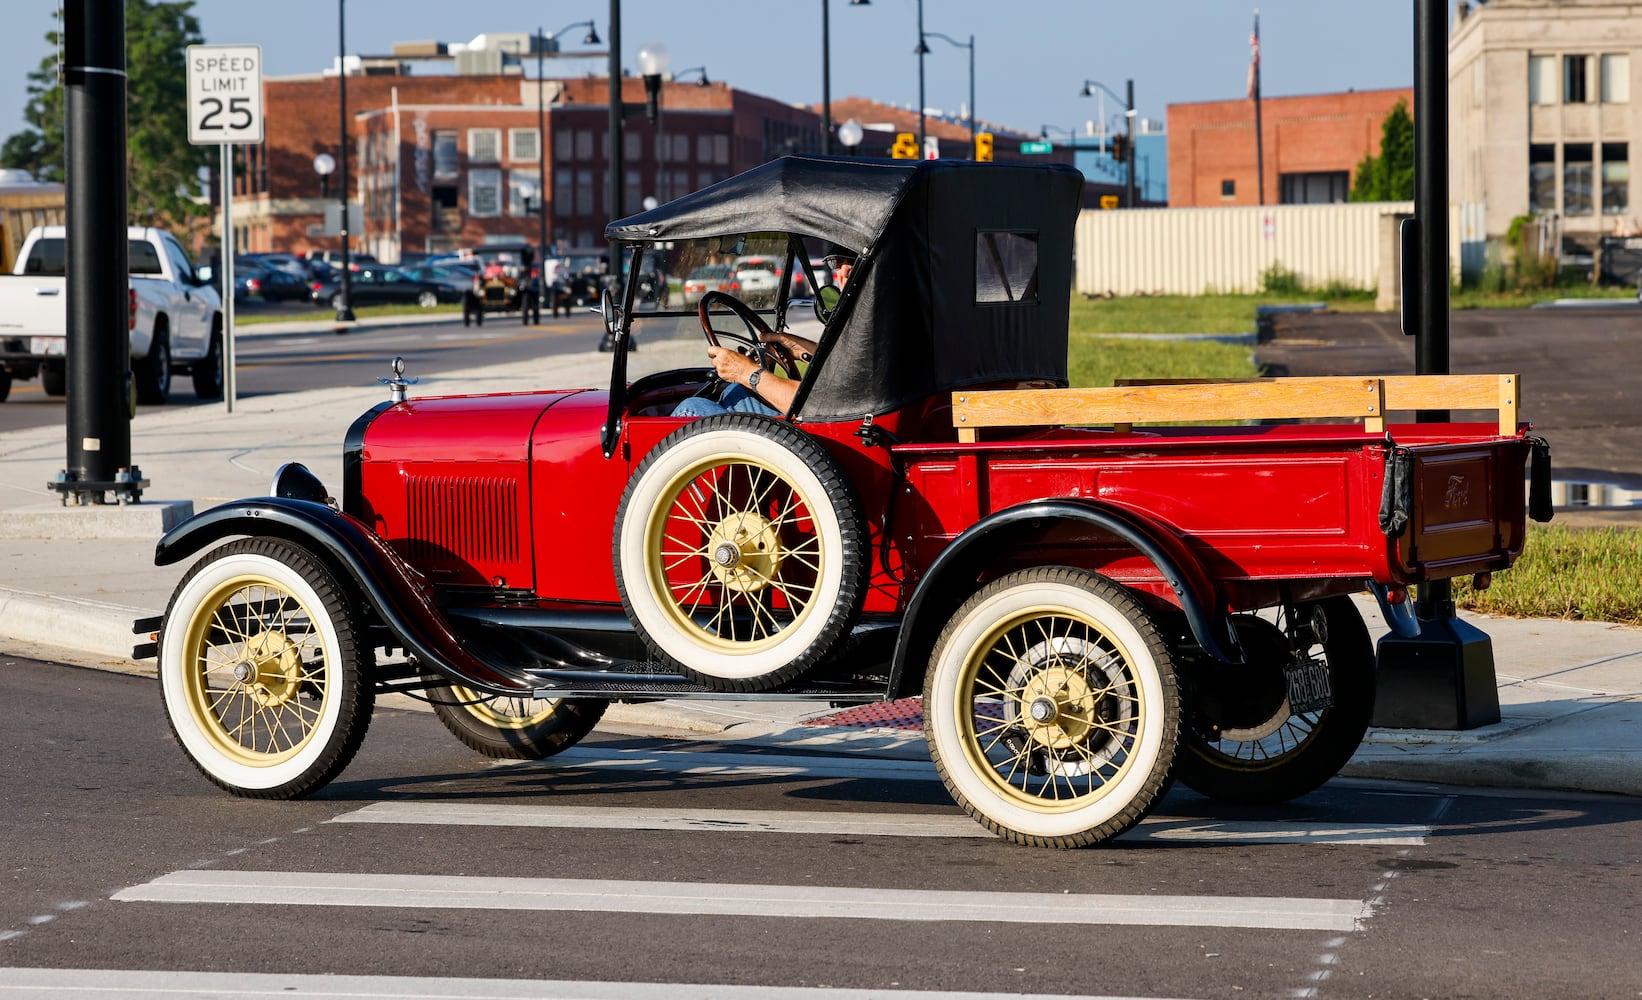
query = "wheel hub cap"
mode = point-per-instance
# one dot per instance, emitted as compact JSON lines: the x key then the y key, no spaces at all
{"x":746,"y":552}
{"x":1058,"y":708}
{"x":272,"y":669}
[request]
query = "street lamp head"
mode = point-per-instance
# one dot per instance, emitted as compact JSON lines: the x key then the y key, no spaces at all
{"x":851,"y":133}
{"x":324,"y":163}
{"x":1088,"y":89}
{"x":922,"y":49}
{"x":592,"y":35}
{"x":527,"y":191}
{"x":653,"y":59}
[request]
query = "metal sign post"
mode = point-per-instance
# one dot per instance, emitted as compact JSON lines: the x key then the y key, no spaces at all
{"x":225,"y":108}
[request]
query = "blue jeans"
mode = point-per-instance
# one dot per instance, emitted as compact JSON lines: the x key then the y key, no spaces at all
{"x":734,"y":399}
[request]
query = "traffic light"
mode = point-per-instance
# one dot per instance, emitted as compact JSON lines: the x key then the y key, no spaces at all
{"x":906,"y":147}
{"x":983,"y":147}
{"x":1120,"y":148}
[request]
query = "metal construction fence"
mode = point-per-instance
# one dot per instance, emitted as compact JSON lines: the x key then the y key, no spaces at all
{"x":1189,"y":251}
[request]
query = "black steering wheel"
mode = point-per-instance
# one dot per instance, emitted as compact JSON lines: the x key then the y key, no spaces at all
{"x":750,"y":341}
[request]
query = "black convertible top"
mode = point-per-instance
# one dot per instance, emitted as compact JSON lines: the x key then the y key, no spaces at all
{"x":964,"y":273}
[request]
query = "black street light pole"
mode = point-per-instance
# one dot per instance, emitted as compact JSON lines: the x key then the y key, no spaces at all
{"x":922,"y":51}
{"x":344,"y":305}
{"x":826,"y":71}
{"x":541,"y":124}
{"x":616,"y":113}
{"x":1089,"y":86}
{"x":970,"y":45}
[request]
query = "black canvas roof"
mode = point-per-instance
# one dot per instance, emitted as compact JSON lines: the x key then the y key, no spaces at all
{"x":923,"y":312}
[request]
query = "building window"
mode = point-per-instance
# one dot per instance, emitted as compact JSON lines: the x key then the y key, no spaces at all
{"x":1322,"y":188}
{"x":1541,"y":80}
{"x":1575,"y":85}
{"x":632,"y":145}
{"x":1616,"y":178}
{"x":484,"y":145}
{"x":704,"y":148}
{"x":721,"y":149}
{"x":517,"y":180}
{"x":1541,"y":179}
{"x":584,"y":145}
{"x":524,"y":144}
{"x":446,"y":162}
{"x":564,"y":145}
{"x":564,"y":189}
{"x":681,"y":149}
{"x":632,"y":190}
{"x":1577,"y":175}
{"x":484,"y":193}
{"x":584,"y":186}
{"x":1616,"y":79}
{"x":1228,"y":189}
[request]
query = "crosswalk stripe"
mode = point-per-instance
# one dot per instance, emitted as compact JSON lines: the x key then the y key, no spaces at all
{"x":723,"y":899}
{"x":845,"y":824}
{"x":133,"y":984}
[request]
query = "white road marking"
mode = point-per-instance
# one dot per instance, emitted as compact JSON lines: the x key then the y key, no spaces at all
{"x":725,"y":899}
{"x":132,"y":984}
{"x":844,"y":824}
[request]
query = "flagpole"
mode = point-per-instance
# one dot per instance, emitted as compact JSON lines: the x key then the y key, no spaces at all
{"x":1259,"y":130}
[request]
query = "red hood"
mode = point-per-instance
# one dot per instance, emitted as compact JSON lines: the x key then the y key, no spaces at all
{"x":490,"y":428}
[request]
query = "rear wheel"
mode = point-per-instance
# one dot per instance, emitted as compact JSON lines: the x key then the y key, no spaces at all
{"x":427,"y":300}
{"x":54,"y":381}
{"x":207,"y":372}
{"x":740,"y":551}
{"x":1051,"y":708}
{"x":259,"y":670}
{"x":512,"y":728}
{"x":5,"y":384}
{"x":1247,"y":743}
{"x":153,"y":373}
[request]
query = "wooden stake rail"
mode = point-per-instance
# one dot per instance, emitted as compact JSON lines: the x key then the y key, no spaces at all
{"x":1137,"y":401}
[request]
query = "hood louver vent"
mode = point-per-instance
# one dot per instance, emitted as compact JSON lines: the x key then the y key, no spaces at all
{"x":462,"y":519}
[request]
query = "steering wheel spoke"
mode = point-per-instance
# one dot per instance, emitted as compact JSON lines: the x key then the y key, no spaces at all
{"x":750,"y":342}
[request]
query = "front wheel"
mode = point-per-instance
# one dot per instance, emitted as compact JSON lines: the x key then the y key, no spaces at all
{"x":512,"y":728}
{"x":1248,"y":742}
{"x":259,"y":670}
{"x":54,"y":381}
{"x":427,"y":300}
{"x":153,"y":373}
{"x":207,"y":372}
{"x":1051,"y":708}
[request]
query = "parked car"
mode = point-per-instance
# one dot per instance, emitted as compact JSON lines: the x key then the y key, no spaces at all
{"x":457,"y":278}
{"x":268,"y":284}
{"x":506,"y":281}
{"x":175,"y":318}
{"x":1091,"y":600}
{"x":376,"y":284}
{"x":287,"y":262}
{"x":709,"y":278}
{"x":758,"y":277}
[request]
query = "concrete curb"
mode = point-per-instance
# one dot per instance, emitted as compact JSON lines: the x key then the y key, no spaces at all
{"x":89,"y":633}
{"x":149,"y":519}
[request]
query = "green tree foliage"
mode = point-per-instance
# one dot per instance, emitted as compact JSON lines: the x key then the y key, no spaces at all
{"x":162,"y":168}
{"x":1389,"y":176}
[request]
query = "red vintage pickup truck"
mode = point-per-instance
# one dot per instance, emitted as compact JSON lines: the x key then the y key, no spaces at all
{"x":1094,"y":591}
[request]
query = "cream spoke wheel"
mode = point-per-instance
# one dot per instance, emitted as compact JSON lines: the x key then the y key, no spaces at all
{"x":258,"y":670}
{"x":1246,"y":742}
{"x":739,"y":552}
{"x":513,"y":727}
{"x":1051,"y":708}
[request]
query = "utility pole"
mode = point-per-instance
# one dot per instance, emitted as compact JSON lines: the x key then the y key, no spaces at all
{"x":344,"y":307}
{"x":1129,"y":116}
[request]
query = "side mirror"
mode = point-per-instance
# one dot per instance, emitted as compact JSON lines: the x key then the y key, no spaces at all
{"x":827,"y":298}
{"x":611,"y":314}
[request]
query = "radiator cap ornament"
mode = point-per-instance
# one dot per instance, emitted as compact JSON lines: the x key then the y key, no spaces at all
{"x":398,"y":383}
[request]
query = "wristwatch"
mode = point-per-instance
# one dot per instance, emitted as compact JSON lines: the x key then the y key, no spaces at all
{"x":752,"y":380}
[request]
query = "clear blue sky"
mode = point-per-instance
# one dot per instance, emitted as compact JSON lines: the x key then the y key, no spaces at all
{"x":1031,"y":55}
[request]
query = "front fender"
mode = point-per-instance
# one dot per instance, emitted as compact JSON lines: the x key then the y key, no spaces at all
{"x":954,"y":571}
{"x":358,"y":556}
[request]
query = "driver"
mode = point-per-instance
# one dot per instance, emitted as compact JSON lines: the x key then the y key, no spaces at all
{"x":752,"y":387}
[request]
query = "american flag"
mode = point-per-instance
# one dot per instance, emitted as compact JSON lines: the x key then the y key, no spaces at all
{"x":1254,"y":59}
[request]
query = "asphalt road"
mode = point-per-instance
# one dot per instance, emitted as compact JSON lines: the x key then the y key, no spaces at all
{"x":121,"y":862}
{"x":1580,"y":369}
{"x":276,"y":363}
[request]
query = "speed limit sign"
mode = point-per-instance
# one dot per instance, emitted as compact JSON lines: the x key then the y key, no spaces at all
{"x":224,"y":94}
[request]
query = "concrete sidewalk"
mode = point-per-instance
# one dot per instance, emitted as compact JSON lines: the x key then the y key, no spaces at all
{"x":72,"y":580}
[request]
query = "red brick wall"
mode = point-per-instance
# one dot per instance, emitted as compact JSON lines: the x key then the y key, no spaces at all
{"x":1214,"y":141}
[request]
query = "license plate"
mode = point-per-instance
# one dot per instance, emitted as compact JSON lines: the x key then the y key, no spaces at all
{"x":1308,"y":686}
{"x":47,"y":346}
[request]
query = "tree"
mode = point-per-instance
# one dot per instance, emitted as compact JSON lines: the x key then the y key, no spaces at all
{"x":162,"y":168}
{"x":1389,"y":176}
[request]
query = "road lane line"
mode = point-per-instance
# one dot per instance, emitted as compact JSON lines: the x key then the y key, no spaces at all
{"x":136,"y":984}
{"x":726,"y":899}
{"x":846,"y":824}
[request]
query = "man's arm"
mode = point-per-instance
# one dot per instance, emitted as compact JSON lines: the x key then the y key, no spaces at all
{"x":733,"y":366}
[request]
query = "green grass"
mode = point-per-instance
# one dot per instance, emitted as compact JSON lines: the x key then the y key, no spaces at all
{"x":1476,"y":298}
{"x":1192,"y":313}
{"x":1590,"y":574}
{"x":1096,"y":361}
{"x":326,"y":315}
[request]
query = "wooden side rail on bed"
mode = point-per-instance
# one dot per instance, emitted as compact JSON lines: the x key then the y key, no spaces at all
{"x":1136,"y":401}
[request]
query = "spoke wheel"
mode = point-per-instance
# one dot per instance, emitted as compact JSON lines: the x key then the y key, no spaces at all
{"x":1245,"y":744}
{"x":512,"y":728}
{"x":259,"y":671}
{"x":1051,"y":708}
{"x":740,"y":551}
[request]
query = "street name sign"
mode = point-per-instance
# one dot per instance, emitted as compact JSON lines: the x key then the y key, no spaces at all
{"x":1037,"y":147}
{"x":224,"y":94}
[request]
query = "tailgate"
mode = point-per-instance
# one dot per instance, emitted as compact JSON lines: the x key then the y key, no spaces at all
{"x":33,"y":308}
{"x":1466,"y":507}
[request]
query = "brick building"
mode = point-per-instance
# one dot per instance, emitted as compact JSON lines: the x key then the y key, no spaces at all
{"x":1312,"y":146}
{"x":444,"y":161}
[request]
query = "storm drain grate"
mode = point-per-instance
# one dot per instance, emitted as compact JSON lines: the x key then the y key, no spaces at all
{"x":907,"y":713}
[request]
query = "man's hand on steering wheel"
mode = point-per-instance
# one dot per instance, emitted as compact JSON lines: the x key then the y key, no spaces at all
{"x":758,"y":341}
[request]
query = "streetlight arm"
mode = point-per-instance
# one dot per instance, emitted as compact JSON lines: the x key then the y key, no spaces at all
{"x":1089,"y":91}
{"x":948,"y":39}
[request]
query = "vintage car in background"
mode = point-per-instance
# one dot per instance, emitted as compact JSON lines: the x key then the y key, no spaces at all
{"x":1094,"y":590}
{"x":506,"y":281}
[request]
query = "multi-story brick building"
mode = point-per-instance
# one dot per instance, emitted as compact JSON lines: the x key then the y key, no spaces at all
{"x":1312,"y":145}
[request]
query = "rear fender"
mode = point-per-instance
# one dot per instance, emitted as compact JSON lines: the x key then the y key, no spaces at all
{"x":382,"y":580}
{"x":951,"y":577}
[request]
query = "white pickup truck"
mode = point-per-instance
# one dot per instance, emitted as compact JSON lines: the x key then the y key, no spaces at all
{"x":175,"y":318}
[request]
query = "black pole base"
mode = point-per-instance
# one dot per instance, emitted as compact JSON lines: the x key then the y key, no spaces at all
{"x":127,"y":487}
{"x":1442,"y":679}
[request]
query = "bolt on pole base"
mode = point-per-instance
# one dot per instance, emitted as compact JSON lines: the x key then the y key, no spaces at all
{"x":127,"y":487}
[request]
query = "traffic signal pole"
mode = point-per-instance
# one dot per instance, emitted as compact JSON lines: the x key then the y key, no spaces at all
{"x":98,"y":341}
